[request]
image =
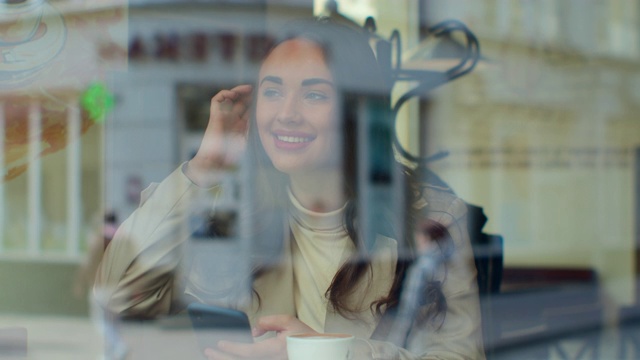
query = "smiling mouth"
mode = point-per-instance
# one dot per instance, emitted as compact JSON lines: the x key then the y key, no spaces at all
{"x":293,"y":142}
{"x":293,"y":139}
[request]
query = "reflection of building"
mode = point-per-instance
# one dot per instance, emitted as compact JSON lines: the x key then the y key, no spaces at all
{"x":52,"y":154}
{"x":544,"y":136}
{"x":52,"y":158}
{"x":44,"y":161}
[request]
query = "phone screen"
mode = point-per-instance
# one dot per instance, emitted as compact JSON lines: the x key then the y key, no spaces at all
{"x":213,"y":323}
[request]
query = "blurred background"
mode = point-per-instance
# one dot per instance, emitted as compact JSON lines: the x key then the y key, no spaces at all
{"x":100,"y":98}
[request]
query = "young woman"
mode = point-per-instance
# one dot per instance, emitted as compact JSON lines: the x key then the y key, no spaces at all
{"x":324,"y":275}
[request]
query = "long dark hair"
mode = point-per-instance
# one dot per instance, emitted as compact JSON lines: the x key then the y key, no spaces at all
{"x":358,"y":78}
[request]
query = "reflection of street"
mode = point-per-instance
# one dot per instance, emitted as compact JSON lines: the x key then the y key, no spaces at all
{"x":606,"y":345}
{"x":52,"y":66}
{"x":73,"y":338}
{"x":171,"y":338}
{"x":57,"y":338}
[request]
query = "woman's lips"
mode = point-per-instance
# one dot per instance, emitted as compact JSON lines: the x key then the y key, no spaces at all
{"x":292,"y":141}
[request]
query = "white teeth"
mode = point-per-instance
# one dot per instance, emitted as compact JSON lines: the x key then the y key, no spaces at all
{"x":293,"y":139}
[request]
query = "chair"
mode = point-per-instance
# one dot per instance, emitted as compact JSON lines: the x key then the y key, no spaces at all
{"x":488,"y":257}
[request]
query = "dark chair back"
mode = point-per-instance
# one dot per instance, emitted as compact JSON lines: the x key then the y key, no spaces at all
{"x":488,"y":258}
{"x":488,"y":255}
{"x":487,"y":251}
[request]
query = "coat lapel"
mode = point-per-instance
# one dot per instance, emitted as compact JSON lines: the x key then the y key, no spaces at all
{"x":275,"y":287}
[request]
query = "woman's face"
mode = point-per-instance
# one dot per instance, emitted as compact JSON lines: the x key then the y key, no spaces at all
{"x":296,"y":111}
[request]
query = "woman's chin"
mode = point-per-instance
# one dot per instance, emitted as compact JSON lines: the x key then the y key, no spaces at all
{"x":291,"y":169}
{"x":306,"y":170}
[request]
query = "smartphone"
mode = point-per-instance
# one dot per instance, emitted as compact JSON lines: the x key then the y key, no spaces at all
{"x":213,"y":323}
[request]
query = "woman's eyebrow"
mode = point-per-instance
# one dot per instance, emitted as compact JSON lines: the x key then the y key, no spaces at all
{"x":315,"y":81}
{"x":273,"y":79}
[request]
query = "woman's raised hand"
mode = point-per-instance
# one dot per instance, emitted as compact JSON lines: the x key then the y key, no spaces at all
{"x":225,"y":136}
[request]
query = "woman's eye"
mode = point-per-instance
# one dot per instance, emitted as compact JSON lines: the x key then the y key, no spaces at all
{"x":316,"y":96}
{"x":270,"y":93}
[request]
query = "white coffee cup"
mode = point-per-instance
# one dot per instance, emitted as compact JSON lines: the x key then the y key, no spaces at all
{"x":319,"y":346}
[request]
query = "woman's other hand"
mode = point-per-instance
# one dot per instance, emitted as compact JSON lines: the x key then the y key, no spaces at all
{"x":224,"y":138}
{"x":272,"y":348}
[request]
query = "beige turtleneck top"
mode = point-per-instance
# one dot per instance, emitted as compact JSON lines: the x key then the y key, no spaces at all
{"x":319,"y":247}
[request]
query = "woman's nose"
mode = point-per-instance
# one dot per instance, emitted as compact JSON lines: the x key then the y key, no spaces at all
{"x":289,"y":111}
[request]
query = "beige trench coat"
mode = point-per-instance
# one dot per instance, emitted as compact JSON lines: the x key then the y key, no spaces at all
{"x":139,"y":275}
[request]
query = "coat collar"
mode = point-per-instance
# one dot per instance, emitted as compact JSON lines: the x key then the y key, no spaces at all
{"x":274,"y":288}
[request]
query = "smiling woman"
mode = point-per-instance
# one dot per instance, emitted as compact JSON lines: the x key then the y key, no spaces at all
{"x":323,"y":272}
{"x":296,"y":111}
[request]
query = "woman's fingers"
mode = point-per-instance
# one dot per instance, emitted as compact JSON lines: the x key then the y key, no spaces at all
{"x":272,"y":348}
{"x":243,"y":90}
{"x":239,"y":94}
{"x":242,"y":102}
{"x":234,"y":93}
{"x":224,"y":139}
{"x":281,"y":323}
{"x":275,"y":322}
{"x":229,"y":109}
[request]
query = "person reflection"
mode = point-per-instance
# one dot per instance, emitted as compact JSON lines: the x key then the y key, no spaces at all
{"x":300,"y":117}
